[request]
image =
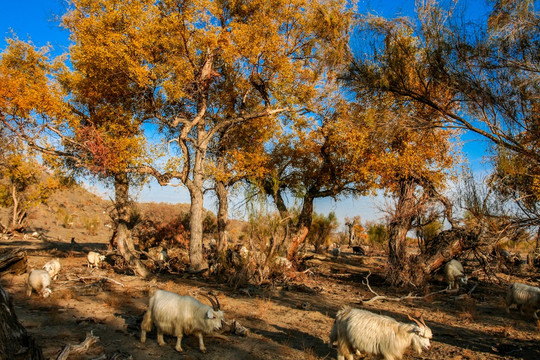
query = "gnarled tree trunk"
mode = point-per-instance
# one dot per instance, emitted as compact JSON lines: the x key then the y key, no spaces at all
{"x":124,"y":240}
{"x":15,"y":342}
{"x":195,"y":187}
{"x":398,"y":228}
{"x":445,"y":246}
{"x":302,"y":227}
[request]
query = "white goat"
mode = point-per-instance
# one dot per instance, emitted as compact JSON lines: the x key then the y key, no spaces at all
{"x":95,"y":259}
{"x":39,"y":281}
{"x":53,"y":268}
{"x":282,"y":262}
{"x":455,"y":275}
{"x":178,"y":315}
{"x":523,"y":296}
{"x":361,"y":330}
{"x":163,"y":255}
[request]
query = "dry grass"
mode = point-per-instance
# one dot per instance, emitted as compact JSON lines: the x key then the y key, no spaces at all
{"x":469,"y":355}
{"x":262,"y":306}
{"x":309,"y":354}
{"x":66,"y":294}
{"x":114,"y":301}
{"x":91,"y":224}
{"x":468,"y":309}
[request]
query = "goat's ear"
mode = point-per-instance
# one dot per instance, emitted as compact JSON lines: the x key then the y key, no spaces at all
{"x":210,"y":314}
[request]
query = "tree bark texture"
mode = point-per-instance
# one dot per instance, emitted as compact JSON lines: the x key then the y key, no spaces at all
{"x":397,"y":233}
{"x":15,"y":342}
{"x":302,"y":228}
{"x":222,"y":215}
{"x":15,"y":206}
{"x":195,"y":188}
{"x":124,"y":240}
{"x":13,"y":261}
{"x":537,"y":247}
{"x":447,"y":245}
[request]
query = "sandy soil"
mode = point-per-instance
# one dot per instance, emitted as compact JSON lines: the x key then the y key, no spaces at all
{"x":285,"y":322}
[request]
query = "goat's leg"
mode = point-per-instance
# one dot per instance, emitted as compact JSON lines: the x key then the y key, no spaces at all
{"x":201,"y":343}
{"x":160,"y":340}
{"x":179,"y":342}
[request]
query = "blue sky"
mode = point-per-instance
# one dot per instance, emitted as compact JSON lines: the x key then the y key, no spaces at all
{"x":38,"y":21}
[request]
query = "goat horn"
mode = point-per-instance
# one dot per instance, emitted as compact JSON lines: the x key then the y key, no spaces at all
{"x":422,"y":320}
{"x":214,"y":305}
{"x":217,"y":301}
{"x":416,"y":321}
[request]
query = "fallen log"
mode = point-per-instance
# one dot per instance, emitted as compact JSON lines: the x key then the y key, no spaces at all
{"x":13,"y":261}
{"x":444,"y":247}
{"x":83,"y":347}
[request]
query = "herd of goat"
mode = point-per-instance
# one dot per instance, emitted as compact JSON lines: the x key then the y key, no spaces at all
{"x":353,"y":329}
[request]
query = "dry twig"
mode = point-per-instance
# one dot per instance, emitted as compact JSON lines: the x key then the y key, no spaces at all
{"x":467,"y":294}
{"x":378,"y":297}
{"x":69,"y":349}
{"x":83,"y":278}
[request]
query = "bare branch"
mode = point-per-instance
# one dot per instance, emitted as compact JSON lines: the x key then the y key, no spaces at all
{"x":410,"y":295}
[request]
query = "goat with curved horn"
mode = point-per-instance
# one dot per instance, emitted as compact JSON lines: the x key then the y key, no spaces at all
{"x":215,"y":304}
{"x":419,"y":323}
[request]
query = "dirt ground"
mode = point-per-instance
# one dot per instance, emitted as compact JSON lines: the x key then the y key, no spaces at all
{"x":285,"y":322}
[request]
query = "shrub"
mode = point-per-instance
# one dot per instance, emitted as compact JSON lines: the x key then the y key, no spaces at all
{"x":377,"y":234}
{"x":321,"y":231}
{"x":91,"y":224}
{"x":64,"y":218}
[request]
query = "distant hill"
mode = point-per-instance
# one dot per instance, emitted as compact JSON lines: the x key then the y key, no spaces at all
{"x":75,"y":212}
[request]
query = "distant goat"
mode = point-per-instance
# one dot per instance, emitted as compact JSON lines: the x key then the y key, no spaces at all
{"x":523,"y":296}
{"x":357,"y":250}
{"x":361,"y":330}
{"x":39,"y":281}
{"x":163,"y":255}
{"x":94,"y":259}
{"x":335,"y":251}
{"x":53,"y":268}
{"x":178,"y":315}
{"x":455,"y":275}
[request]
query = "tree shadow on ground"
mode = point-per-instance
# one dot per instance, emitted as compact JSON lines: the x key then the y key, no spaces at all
{"x":296,"y":339}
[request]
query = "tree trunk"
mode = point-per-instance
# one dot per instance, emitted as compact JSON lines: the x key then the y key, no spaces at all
{"x":15,"y":343}
{"x":278,"y":198}
{"x":195,"y":188}
{"x":398,"y":228}
{"x":222,"y":215}
{"x":124,"y":239}
{"x":352,"y":235}
{"x":302,"y":227}
{"x":537,"y":247}
{"x":445,"y":246}
{"x":15,"y":200}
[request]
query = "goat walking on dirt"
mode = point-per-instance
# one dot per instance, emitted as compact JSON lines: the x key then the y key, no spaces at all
{"x":181,"y":315}
{"x":361,"y":330}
